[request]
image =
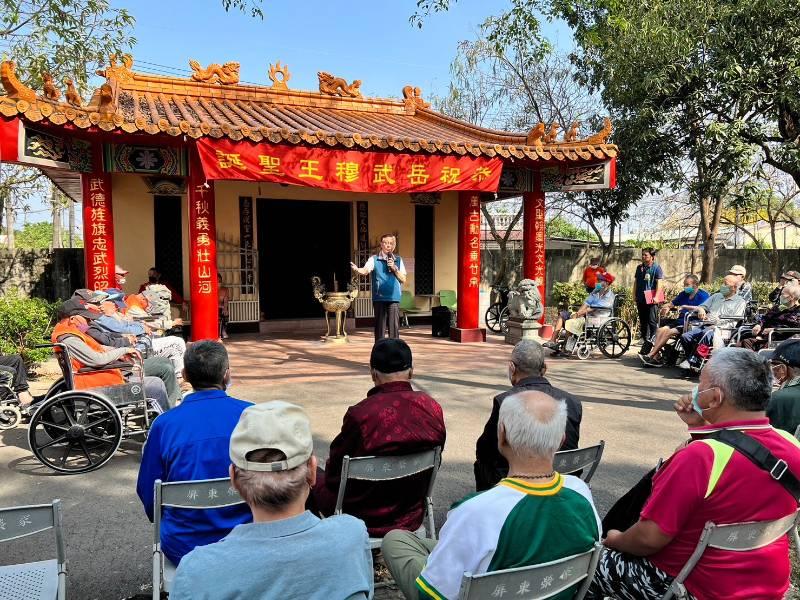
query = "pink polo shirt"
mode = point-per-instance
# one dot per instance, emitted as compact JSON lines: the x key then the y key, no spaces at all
{"x":744,"y":492}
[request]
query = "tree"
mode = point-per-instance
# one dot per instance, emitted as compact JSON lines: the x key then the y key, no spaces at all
{"x":560,"y":227}
{"x":490,"y":211}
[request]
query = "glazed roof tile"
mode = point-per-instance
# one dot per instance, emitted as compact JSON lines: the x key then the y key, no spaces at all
{"x":139,"y":103}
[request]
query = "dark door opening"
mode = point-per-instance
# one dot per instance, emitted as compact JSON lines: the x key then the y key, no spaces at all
{"x":298,"y":239}
{"x":167,"y":221}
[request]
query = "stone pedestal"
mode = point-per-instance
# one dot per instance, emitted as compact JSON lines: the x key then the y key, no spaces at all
{"x":522,"y":329}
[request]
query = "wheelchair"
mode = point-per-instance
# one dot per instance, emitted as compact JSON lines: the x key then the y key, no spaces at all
{"x":611,"y":334}
{"x":78,"y":430}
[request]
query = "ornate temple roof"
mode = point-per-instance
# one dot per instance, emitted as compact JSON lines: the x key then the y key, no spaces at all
{"x":214,"y":103}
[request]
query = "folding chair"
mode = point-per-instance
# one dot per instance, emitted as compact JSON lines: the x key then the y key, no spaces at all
{"x":386,"y":468}
{"x":448,"y":298}
{"x":581,"y":459}
{"x":42,"y":580}
{"x":201,"y":495}
{"x":737,"y":537}
{"x":536,"y":582}
{"x":407,"y":307}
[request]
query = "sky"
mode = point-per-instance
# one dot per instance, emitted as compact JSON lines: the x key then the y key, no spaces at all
{"x":370,"y":40}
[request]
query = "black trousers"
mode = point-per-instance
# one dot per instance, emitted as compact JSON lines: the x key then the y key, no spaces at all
{"x":15,"y":362}
{"x":386,"y":314}
{"x":648,"y":320}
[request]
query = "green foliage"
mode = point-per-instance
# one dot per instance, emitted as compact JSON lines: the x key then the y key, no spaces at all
{"x":24,"y":323}
{"x":558,"y":227}
{"x":39,"y":236}
{"x":568,"y":293}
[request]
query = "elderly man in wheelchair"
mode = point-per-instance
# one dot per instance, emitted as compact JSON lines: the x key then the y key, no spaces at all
{"x":593,"y":324}
{"x":103,"y":397}
{"x":777,"y":324}
{"x":717,"y":320}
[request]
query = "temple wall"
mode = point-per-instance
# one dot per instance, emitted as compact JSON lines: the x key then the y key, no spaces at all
{"x":133,"y":227}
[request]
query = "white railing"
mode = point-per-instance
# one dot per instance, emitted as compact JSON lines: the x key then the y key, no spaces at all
{"x":243,"y":311}
{"x":362,"y":307}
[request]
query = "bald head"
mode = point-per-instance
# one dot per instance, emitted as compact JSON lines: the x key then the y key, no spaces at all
{"x":532,"y":424}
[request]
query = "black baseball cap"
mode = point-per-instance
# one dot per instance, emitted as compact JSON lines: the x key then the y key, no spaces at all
{"x":390,"y":356}
{"x":787,"y":352}
{"x":73,"y":307}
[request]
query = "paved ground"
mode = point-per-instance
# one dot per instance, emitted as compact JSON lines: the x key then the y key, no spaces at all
{"x":109,"y":538}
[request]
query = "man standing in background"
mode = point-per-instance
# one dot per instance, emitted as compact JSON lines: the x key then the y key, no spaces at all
{"x":388,"y":276}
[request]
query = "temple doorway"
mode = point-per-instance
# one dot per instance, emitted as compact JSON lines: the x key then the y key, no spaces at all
{"x":298,"y":239}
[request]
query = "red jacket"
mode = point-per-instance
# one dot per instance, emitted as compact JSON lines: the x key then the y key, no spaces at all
{"x":392,"y":420}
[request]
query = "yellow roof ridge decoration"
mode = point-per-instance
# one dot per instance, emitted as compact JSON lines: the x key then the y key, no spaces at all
{"x":213,"y":102}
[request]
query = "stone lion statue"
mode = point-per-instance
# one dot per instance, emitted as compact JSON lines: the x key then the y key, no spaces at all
{"x":525,"y":301}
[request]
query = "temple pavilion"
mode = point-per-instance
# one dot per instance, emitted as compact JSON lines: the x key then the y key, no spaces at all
{"x":267,"y":186}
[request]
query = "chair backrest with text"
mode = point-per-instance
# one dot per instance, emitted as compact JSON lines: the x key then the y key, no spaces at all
{"x":737,"y":537}
{"x":386,"y":468}
{"x":33,"y":580}
{"x":536,"y":582}
{"x":201,"y":495}
{"x":580,"y":459}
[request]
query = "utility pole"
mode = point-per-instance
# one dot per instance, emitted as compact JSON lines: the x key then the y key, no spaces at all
{"x":56,"y":202}
{"x":9,"y":223}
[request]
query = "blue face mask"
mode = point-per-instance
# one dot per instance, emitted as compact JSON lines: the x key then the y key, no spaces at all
{"x":689,"y":290}
{"x":695,"y":404}
{"x":598,"y":287}
{"x":724,"y":290}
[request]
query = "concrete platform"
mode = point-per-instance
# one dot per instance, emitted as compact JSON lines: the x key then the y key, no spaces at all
{"x":109,"y":538}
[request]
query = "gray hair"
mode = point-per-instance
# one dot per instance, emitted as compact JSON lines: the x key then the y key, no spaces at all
{"x":792,"y":290}
{"x":744,"y":377}
{"x":534,"y":423}
{"x":274,"y":489}
{"x":528,"y":356}
{"x":694,"y":278}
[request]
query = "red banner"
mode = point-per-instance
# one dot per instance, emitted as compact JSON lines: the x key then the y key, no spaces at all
{"x":202,"y":257}
{"x":469,"y":259}
{"x":98,"y":231}
{"x":9,"y":140}
{"x":347,"y":170}
{"x":533,"y":236}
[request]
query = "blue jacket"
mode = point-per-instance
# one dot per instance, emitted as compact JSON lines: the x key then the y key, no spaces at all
{"x":190,"y":442}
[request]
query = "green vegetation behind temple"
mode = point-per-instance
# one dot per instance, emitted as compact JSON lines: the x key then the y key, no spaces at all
{"x":24,"y":323}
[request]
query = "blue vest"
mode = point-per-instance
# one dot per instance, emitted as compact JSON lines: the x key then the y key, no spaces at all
{"x":385,"y":285}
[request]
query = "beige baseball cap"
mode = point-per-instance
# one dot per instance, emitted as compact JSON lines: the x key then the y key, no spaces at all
{"x":737,"y":270}
{"x":276,"y":425}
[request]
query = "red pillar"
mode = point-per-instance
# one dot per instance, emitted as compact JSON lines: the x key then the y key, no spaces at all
{"x":202,"y":255}
{"x":98,"y":226}
{"x":469,"y":269}
{"x":534,"y":265}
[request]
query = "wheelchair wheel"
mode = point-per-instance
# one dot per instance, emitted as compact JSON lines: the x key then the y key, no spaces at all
{"x":10,"y":416}
{"x":583,"y":351}
{"x":504,"y":316}
{"x":614,"y":338}
{"x":75,"y":432}
{"x":492,"y":317}
{"x":57,"y":387}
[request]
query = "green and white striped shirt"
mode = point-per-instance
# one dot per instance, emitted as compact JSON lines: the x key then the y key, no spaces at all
{"x":515,"y":524}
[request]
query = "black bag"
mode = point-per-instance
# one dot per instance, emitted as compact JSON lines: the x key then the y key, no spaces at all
{"x":440,"y":321}
{"x":625,"y":512}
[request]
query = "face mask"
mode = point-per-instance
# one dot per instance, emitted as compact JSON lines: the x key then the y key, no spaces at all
{"x":784,"y":302}
{"x":598,"y":287}
{"x":688,"y":289}
{"x":724,"y":290}
{"x":695,"y":404}
{"x":121,"y":280}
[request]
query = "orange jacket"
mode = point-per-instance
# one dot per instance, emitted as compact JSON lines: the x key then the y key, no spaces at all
{"x":84,"y":381}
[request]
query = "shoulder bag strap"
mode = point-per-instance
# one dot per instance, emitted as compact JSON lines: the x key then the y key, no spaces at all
{"x":760,"y":456}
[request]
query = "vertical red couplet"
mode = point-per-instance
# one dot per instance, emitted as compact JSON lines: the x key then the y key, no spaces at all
{"x":98,"y":225}
{"x":534,"y":264}
{"x":202,"y":255}
{"x":469,"y":258}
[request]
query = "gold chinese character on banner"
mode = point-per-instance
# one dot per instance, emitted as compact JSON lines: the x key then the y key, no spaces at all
{"x":347,"y":171}
{"x":203,"y":271}
{"x":95,"y":185}
{"x":451,"y":175}
{"x":203,"y":256}
{"x":473,"y":282}
{"x":474,"y":228}
{"x":204,"y":287}
{"x":418,"y":175}
{"x":100,"y":258}
{"x":226,"y":160}
{"x":202,"y":224}
{"x":481,"y":173}
{"x":100,"y":243}
{"x":201,"y":207}
{"x":474,"y":202}
{"x":98,"y":198}
{"x":98,"y":214}
{"x":203,"y":239}
{"x":473,"y":255}
{"x":270,"y":165}
{"x":474,"y":243}
{"x":309,"y":169}
{"x":98,"y":228}
{"x":383,"y":174}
